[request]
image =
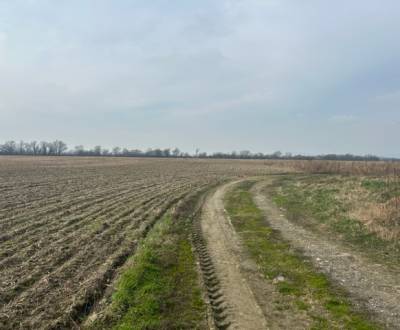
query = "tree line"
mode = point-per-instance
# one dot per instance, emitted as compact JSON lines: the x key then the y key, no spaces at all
{"x":59,"y":148}
{"x":55,"y":148}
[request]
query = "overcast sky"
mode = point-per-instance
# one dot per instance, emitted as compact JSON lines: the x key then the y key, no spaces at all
{"x":308,"y":76}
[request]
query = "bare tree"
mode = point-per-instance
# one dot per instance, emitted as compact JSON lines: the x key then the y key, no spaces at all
{"x":97,"y":151}
{"x":51,"y":148}
{"x":21,"y":148}
{"x":59,"y":147}
{"x":27,"y":148}
{"x":34,"y":147}
{"x":176,"y":152}
{"x":116,"y":151}
{"x":167,"y":153}
{"x":245,"y":154}
{"x":43,"y":147}
{"x":9,"y":148}
{"x":79,"y":150}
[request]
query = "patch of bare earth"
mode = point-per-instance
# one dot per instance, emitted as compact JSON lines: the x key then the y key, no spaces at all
{"x":371,"y":285}
{"x":248,"y":297}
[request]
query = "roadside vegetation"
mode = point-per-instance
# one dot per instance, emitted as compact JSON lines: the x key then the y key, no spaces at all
{"x":159,"y":288}
{"x":363,"y":212}
{"x":301,"y":287}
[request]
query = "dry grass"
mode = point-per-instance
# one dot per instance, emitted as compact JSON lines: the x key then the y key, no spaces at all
{"x":374,"y":201}
{"x":382,"y":218}
{"x":382,"y":168}
{"x":380,"y":215}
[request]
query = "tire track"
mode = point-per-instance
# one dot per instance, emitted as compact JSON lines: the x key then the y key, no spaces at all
{"x":210,"y":279}
{"x":222,"y":260}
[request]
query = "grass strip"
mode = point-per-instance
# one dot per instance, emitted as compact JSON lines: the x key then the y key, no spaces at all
{"x":307,"y":289}
{"x":159,"y":288}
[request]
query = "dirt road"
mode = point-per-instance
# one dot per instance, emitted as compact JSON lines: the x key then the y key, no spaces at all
{"x":369,"y":284}
{"x":248,"y":296}
{"x":224,"y":249}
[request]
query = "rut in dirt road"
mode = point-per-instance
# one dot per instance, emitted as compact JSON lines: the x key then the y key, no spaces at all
{"x":369,"y":284}
{"x":249,"y":300}
{"x":224,"y":249}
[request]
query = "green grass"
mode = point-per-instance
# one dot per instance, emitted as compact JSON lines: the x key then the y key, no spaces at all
{"x":312,"y":202}
{"x":382,"y":189}
{"x":308,"y":290}
{"x":159,"y":289}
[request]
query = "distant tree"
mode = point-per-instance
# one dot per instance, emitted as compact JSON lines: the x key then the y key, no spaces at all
{"x":136,"y":153}
{"x":277,"y":154}
{"x":202,"y":155}
{"x":27,"y":148}
{"x":176,"y":152}
{"x":59,"y":147}
{"x":245,"y":154}
{"x":51,"y":148}
{"x":97,"y":151}
{"x":79,"y":150}
{"x":105,"y":152}
{"x":9,"y":148}
{"x":288,"y":155}
{"x":166,"y":153}
{"x":44,"y":146}
{"x":116,"y":151}
{"x":157,"y":153}
{"x":21,"y":147}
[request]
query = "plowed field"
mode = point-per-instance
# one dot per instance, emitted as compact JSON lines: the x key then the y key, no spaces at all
{"x":67,"y":224}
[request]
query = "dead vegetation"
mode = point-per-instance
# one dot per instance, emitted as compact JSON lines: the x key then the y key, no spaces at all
{"x":368,"y":168}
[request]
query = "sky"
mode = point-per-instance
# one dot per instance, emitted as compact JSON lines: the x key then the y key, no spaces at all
{"x":308,"y":76}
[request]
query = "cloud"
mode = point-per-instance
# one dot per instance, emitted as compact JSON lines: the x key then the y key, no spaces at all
{"x":172,"y":62}
{"x":3,"y":37}
{"x":389,"y":100}
{"x":344,"y":118}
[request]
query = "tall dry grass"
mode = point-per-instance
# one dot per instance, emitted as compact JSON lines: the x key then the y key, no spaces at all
{"x":381,"y":217}
{"x":367,"y":168}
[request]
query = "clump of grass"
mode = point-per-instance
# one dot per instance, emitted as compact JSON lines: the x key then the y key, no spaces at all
{"x":159,"y":289}
{"x":309,"y":290}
